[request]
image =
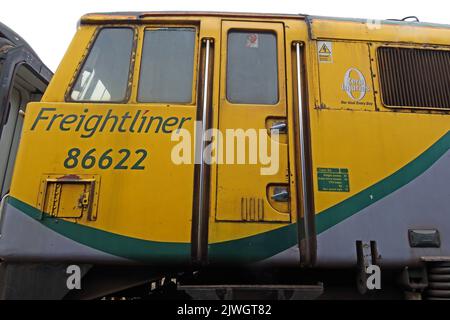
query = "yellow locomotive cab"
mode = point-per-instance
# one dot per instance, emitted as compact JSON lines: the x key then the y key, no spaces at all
{"x":212,"y":139}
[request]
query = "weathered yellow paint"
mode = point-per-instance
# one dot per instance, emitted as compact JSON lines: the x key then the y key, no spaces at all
{"x":348,"y":57}
{"x":142,"y":204}
{"x":372,"y":145}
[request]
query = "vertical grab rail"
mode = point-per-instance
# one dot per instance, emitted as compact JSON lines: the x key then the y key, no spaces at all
{"x":308,"y":225}
{"x":200,"y":232}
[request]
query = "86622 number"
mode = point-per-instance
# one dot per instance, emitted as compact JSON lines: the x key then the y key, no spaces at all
{"x":123,"y":159}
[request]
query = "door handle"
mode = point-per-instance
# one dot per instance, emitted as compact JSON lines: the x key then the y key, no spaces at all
{"x":280,"y":126}
{"x":280,"y":194}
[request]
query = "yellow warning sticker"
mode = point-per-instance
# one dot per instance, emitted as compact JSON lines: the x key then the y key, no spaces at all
{"x":325,"y":51}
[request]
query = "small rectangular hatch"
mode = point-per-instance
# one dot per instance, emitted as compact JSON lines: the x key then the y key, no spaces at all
{"x":70,"y":196}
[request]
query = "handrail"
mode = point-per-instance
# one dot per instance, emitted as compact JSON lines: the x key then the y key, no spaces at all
{"x":201,"y":199}
{"x":303,"y":164}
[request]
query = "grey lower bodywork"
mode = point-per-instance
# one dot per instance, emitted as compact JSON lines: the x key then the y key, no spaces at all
{"x":27,"y":240}
{"x":424,"y":203}
{"x":36,"y":258}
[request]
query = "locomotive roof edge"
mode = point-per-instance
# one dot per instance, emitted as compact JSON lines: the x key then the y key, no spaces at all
{"x":320,"y":27}
{"x":108,"y":17}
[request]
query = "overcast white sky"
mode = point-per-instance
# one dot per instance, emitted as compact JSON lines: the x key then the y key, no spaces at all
{"x":49,"y":25}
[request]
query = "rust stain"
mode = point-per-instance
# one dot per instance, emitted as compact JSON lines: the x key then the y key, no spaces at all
{"x":69,"y":177}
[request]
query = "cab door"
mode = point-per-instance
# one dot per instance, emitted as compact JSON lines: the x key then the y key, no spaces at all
{"x":253,"y":122}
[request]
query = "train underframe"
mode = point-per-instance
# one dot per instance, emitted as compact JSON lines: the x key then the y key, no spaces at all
{"x":20,"y":280}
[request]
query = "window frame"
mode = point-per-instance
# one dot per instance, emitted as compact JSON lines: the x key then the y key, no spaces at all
{"x":195,"y":62}
{"x":88,"y":50}
{"x":280,"y":98}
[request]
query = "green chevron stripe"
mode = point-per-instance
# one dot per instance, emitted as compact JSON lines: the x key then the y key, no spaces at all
{"x":345,"y":209}
{"x":115,"y":244}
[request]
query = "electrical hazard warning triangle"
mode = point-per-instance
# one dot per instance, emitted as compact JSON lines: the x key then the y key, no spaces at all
{"x":324,"y":49}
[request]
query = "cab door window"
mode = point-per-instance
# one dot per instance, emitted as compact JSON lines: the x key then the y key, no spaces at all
{"x":252,"y":69}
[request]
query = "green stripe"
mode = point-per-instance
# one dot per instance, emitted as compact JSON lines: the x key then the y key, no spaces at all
{"x":345,"y":209}
{"x":115,"y":244}
{"x":253,"y":248}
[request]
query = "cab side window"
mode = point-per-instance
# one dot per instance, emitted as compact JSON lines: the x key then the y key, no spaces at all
{"x":167,"y":66}
{"x":252,"y":68}
{"x":105,"y":73}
